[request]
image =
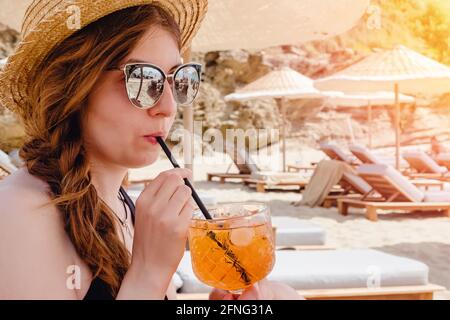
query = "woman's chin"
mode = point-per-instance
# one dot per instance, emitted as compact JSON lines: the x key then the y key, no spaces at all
{"x":143,"y":162}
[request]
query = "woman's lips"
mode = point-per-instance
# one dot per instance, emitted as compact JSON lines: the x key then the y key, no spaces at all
{"x":151,"y":139}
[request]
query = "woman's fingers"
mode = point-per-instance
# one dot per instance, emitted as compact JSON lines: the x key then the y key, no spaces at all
{"x":156,"y":186}
{"x":219,"y":294}
{"x":169,"y":187}
{"x":270,"y":290}
{"x":179,"y":200}
{"x":251,"y":293}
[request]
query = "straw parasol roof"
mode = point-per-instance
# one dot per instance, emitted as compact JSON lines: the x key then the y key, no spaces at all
{"x":281,"y":84}
{"x":416,"y":74}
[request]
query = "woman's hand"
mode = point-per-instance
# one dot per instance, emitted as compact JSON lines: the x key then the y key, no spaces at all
{"x":263,"y":290}
{"x":163,"y":213}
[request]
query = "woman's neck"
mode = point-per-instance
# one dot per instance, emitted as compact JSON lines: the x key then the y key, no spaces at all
{"x":107,"y":180}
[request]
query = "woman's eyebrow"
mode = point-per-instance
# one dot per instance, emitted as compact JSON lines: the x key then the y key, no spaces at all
{"x":142,"y":61}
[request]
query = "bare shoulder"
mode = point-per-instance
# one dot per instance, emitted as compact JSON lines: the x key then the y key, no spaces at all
{"x":22,"y":189}
{"x":35,"y":250}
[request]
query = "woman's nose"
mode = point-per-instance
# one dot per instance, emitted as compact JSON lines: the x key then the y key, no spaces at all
{"x":166,"y":105}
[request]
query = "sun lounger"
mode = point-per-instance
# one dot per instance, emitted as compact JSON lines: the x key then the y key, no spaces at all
{"x":269,"y":183}
{"x":352,"y":186}
{"x":364,"y":154}
{"x":299,"y":168}
{"x":396,"y":193}
{"x":425,"y":166}
{"x":243,"y":162}
{"x":6,"y":166}
{"x":335,"y":274}
{"x":335,"y":153}
{"x":443,"y":159}
{"x":3,"y":173}
{"x":252,"y":175}
{"x":324,"y":182}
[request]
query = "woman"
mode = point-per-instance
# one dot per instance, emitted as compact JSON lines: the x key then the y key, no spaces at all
{"x":91,"y":112}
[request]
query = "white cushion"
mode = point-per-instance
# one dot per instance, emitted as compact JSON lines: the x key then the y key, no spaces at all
{"x":422,"y":162}
{"x":277,"y":177}
{"x":443,"y":157}
{"x":437,"y":196}
{"x":366,"y":152}
{"x":296,"y":232}
{"x":177,"y":281}
{"x":5,"y":161}
{"x":334,"y":149}
{"x":329,"y":269}
{"x":404,"y":185}
{"x":134,"y":194}
{"x":16,"y":159}
{"x":357,"y":182}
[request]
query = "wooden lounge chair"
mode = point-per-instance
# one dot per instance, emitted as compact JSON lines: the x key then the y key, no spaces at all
{"x":364,"y":154}
{"x":262,"y":185}
{"x":253,"y":176}
{"x":352,"y":186}
{"x":299,"y":168}
{"x":443,"y":159}
{"x":6,"y":166}
{"x":396,"y":193}
{"x":243,"y":162}
{"x":425,"y":166}
{"x":3,"y":172}
{"x":335,"y":153}
{"x":335,"y":274}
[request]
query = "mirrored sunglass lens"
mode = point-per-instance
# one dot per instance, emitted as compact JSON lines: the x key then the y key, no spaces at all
{"x":144,"y":85}
{"x":186,"y":85}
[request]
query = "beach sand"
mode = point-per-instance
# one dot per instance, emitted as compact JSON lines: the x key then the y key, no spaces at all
{"x":424,"y":237}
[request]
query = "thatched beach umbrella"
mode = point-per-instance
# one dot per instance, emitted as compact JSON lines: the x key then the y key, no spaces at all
{"x":367,"y":99}
{"x":397,"y":70}
{"x":280,"y":85}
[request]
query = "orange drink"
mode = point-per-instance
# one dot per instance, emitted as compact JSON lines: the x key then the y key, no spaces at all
{"x":235,"y":249}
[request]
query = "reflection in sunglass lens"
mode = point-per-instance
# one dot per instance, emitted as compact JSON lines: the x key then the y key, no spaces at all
{"x":144,"y":85}
{"x":186,"y":85}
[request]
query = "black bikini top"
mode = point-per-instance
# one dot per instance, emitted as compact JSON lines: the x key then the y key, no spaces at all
{"x":99,"y":289}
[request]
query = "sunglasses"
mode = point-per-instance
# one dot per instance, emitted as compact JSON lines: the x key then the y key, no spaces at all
{"x":145,"y":83}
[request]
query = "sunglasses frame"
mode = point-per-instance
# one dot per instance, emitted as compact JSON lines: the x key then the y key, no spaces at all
{"x":169,"y":77}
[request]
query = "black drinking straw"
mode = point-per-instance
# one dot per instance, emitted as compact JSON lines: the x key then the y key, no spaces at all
{"x":186,"y":181}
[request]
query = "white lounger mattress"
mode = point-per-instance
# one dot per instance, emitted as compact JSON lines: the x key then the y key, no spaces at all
{"x":328,"y":269}
{"x":297,"y":232}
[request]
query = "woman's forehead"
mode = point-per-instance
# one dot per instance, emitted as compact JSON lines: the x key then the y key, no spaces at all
{"x":158,"y":47}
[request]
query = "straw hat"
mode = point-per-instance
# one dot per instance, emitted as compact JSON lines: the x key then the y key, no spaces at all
{"x":46,"y":24}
